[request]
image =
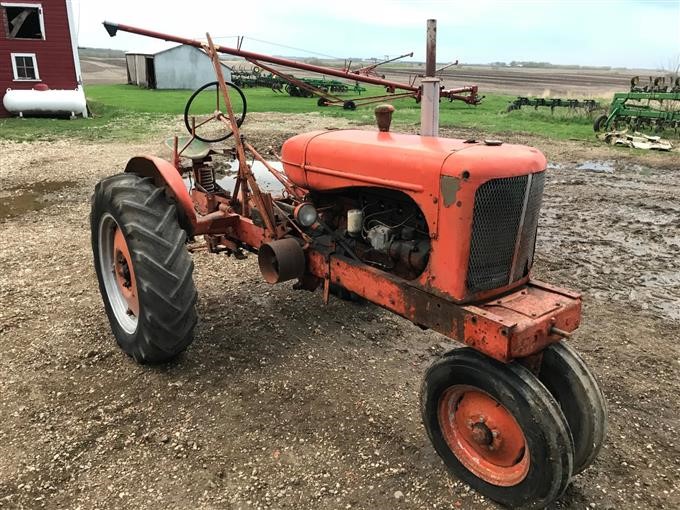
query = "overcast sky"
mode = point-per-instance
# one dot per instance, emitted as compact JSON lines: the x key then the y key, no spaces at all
{"x":625,"y":33}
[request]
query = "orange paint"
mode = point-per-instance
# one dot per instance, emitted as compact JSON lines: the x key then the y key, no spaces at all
{"x":125,"y":272}
{"x":418,"y":166}
{"x":514,"y":326}
{"x":166,"y":175}
{"x":483,"y":436}
{"x":442,"y":177}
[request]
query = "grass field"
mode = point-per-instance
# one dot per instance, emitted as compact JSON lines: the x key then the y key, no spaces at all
{"x":127,"y":112}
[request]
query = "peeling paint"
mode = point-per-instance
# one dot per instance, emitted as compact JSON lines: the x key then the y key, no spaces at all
{"x":449,"y":188}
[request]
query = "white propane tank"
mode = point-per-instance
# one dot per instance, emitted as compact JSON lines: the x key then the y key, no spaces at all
{"x":45,"y":102}
{"x":355,"y":222}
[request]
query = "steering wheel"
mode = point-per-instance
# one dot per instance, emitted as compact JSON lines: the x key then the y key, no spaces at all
{"x":208,"y":104}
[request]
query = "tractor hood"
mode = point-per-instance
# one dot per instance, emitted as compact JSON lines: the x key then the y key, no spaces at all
{"x":327,"y":160}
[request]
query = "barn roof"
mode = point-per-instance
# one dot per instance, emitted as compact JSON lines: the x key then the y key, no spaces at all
{"x":162,"y":47}
{"x":154,"y":48}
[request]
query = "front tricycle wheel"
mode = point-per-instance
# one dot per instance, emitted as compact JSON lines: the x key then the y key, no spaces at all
{"x":143,"y":268}
{"x":575,"y":388}
{"x":497,"y":427}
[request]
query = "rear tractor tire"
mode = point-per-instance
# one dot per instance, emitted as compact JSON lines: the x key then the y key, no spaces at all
{"x":497,"y":428}
{"x":143,"y":268}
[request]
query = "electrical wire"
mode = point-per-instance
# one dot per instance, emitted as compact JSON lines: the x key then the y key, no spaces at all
{"x":363,"y":226}
{"x":393,"y":226}
{"x":280,"y":46}
{"x":294,"y":48}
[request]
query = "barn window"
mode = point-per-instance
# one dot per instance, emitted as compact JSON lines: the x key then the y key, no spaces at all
{"x":25,"y":67}
{"x":24,"y":21}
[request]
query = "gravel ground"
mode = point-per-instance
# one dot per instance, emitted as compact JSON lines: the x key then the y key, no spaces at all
{"x":284,"y":403}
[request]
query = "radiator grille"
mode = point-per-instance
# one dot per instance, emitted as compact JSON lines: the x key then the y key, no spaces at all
{"x":499,"y":215}
{"x":527,"y":244}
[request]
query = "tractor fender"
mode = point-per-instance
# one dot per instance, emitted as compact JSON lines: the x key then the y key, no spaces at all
{"x":166,"y":175}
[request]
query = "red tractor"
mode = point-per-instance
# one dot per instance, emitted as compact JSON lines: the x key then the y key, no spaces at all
{"x":437,"y":230}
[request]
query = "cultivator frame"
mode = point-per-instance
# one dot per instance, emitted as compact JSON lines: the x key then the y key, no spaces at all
{"x":278,"y":81}
{"x":588,"y":105}
{"x":307,"y":87}
{"x":656,"y":84}
{"x":627,"y":111}
{"x":251,"y":78}
{"x":641,"y":109}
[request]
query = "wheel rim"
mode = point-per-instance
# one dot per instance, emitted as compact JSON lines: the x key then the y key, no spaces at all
{"x":118,"y":274}
{"x":483,"y":436}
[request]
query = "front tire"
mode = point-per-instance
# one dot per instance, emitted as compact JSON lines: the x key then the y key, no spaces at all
{"x":497,"y":428}
{"x":143,"y":268}
{"x":576,"y":390}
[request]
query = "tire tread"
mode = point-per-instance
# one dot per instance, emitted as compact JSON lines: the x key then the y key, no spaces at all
{"x":163,"y":267}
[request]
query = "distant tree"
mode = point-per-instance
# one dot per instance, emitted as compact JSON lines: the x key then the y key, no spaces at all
{"x":673,"y":65}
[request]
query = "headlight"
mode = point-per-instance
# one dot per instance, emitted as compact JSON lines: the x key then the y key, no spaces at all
{"x":305,"y":214}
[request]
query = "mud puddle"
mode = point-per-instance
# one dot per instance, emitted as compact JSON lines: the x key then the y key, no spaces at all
{"x":602,"y":167}
{"x":20,"y":199}
{"x":264,"y":177}
{"x":226,"y":172}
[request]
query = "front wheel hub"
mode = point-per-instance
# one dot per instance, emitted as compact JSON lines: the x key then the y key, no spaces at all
{"x":484,"y":436}
{"x":125,"y":278}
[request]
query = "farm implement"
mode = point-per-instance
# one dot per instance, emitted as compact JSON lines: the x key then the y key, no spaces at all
{"x":304,"y":87}
{"x":655,"y":84}
{"x":653,"y":107}
{"x":321,"y":86}
{"x":439,"y":231}
{"x":370,"y":70}
{"x":588,"y":105}
{"x":251,"y":78}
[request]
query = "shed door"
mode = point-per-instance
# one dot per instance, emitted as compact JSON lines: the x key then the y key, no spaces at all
{"x":150,"y":73}
{"x":131,"y":69}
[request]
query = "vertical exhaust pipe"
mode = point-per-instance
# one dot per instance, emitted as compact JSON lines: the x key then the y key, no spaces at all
{"x":429,"y":102}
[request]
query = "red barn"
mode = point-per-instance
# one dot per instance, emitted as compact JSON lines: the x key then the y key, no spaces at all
{"x":39,"y":59}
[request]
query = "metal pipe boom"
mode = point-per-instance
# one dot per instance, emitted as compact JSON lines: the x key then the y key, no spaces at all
{"x":112,"y":28}
{"x":373,"y":66}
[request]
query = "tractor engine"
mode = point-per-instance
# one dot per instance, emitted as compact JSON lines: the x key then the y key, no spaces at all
{"x":382,"y":227}
{"x":459,"y":217}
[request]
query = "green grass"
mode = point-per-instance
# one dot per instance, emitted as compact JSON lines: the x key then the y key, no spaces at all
{"x":125,"y":112}
{"x":108,"y":123}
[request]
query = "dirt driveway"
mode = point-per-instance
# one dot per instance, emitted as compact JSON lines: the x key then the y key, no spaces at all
{"x":284,"y":403}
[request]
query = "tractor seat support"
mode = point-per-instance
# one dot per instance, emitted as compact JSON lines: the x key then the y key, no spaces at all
{"x":196,"y":150}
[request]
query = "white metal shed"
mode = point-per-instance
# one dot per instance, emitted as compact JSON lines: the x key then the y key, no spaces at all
{"x":179,"y":67}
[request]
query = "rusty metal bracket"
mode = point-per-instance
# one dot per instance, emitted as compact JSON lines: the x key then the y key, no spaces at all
{"x":245,"y":178}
